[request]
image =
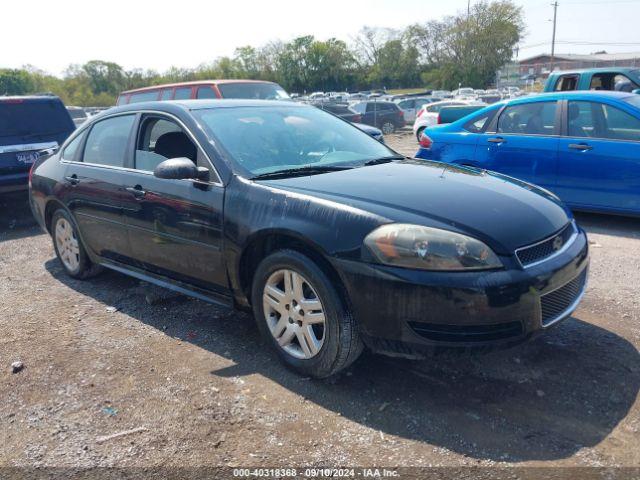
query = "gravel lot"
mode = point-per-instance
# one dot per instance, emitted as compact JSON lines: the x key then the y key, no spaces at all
{"x":111,"y":354}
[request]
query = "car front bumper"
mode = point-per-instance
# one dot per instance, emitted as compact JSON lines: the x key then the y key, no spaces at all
{"x":402,"y":311}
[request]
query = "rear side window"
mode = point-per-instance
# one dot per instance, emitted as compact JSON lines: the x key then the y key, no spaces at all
{"x":122,"y":100}
{"x":567,"y":83}
{"x":206,"y":92}
{"x":144,"y":97}
{"x":107,"y":141}
{"x":167,"y":93}
{"x":183,"y":93}
{"x":536,"y":118}
{"x":33,"y":117}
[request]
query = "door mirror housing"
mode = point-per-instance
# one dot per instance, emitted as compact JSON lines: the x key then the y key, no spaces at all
{"x":180,"y":169}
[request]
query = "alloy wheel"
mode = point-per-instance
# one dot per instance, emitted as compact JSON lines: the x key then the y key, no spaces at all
{"x":294,"y":313}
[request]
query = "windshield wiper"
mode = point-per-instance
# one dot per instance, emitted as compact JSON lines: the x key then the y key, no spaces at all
{"x":378,"y":161}
{"x":300,"y":171}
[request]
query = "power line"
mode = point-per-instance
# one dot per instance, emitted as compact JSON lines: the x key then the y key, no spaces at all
{"x":553,"y":38}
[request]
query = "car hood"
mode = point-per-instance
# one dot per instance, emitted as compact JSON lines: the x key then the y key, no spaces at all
{"x":504,"y":212}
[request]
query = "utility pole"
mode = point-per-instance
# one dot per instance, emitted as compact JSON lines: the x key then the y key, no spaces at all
{"x":553,"y":36}
{"x":468,"y":8}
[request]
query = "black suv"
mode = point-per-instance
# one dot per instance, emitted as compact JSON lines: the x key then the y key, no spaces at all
{"x":386,"y":116}
{"x":29,"y":127}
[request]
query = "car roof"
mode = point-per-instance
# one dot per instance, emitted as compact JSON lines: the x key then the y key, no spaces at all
{"x":576,"y":94}
{"x":171,"y":106}
{"x":30,"y":98}
{"x":596,"y":70}
{"x":193,"y":83}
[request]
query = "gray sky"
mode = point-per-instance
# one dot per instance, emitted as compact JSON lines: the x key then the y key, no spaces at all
{"x":51,"y":34}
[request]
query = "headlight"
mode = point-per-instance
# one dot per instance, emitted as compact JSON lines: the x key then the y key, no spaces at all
{"x":425,"y":248}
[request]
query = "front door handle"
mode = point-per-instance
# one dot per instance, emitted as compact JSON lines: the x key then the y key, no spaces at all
{"x":580,"y":146}
{"x":72,"y":179}
{"x":496,"y":140}
{"x":137,"y":191}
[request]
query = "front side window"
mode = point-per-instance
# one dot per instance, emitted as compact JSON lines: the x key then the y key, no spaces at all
{"x":161,"y":139}
{"x":598,"y":120}
{"x":183,"y":93}
{"x":261,"y":140}
{"x":537,"y":118}
{"x":620,"y":125}
{"x":107,"y":141}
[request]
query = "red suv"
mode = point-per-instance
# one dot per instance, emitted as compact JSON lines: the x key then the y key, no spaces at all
{"x":247,"y":89}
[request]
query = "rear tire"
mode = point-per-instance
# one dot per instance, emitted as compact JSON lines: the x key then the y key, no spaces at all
{"x":302,"y":342}
{"x":388,"y":128}
{"x":69,"y":248}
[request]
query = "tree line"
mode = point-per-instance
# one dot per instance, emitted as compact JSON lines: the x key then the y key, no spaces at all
{"x":464,"y":49}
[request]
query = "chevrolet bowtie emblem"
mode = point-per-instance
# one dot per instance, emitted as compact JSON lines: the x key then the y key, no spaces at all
{"x":557,"y":243}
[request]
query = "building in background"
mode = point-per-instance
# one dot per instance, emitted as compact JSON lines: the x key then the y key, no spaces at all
{"x":535,"y":70}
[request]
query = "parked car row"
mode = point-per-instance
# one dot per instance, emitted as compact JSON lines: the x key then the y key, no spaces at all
{"x":583,"y":146}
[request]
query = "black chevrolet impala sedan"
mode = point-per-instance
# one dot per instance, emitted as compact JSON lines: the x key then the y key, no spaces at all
{"x":334,"y":241}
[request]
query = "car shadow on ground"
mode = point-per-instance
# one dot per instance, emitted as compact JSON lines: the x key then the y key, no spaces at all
{"x":544,"y":400}
{"x":614,"y":225}
{"x":16,"y":219}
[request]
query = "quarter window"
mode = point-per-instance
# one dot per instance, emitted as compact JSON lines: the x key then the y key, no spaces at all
{"x":536,"y":118}
{"x":107,"y":141}
{"x":477,"y":125}
{"x":69,"y":153}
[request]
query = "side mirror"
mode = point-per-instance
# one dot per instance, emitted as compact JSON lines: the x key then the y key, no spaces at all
{"x":180,"y":169}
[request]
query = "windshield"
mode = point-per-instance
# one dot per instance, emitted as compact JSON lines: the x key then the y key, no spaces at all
{"x":263,"y":140}
{"x":253,"y":91}
{"x":33,"y":118}
{"x":633,"y":100}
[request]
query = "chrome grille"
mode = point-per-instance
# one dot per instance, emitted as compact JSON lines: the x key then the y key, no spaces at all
{"x":546,"y":248}
{"x":556,"y":304}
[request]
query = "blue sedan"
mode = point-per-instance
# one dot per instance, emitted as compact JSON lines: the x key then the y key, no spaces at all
{"x":583,"y":146}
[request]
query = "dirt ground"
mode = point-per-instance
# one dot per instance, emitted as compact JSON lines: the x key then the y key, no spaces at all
{"x":199,"y":387}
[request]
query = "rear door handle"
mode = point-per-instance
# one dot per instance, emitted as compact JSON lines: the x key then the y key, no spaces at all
{"x":72,"y":179}
{"x":580,"y":146}
{"x":136,"y":191}
{"x":496,"y":140}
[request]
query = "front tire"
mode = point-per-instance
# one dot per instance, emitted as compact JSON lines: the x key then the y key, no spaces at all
{"x":69,"y":248}
{"x":300,"y":311}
